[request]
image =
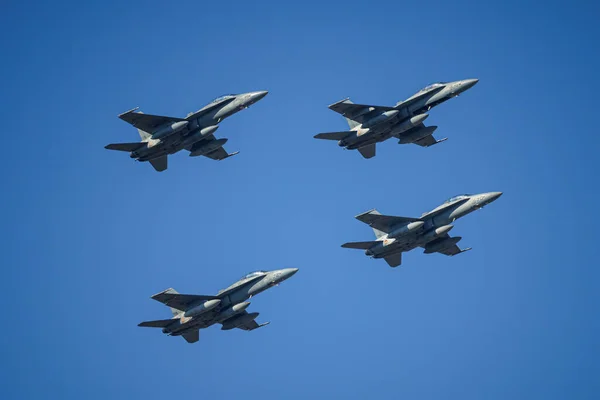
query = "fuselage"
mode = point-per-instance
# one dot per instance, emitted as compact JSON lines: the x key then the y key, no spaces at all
{"x":200,"y":126}
{"x":431,"y":226}
{"x":405,"y":120}
{"x":232,"y":302}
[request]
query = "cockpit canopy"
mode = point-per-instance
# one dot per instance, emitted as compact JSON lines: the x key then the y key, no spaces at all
{"x":459,"y":197}
{"x":432,"y":86}
{"x":221,"y":98}
{"x":253,"y":274}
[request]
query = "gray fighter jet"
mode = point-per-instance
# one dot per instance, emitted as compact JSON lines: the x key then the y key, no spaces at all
{"x":194,"y":312}
{"x":370,"y":125}
{"x":396,"y":235}
{"x":162,"y":136}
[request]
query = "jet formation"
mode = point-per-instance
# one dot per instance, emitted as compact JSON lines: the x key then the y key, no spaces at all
{"x":194,"y":312}
{"x":395,"y":235}
{"x":370,"y":125}
{"x":162,"y":136}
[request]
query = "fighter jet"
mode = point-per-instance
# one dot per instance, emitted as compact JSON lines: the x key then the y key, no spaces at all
{"x":370,"y":125}
{"x":194,"y":312}
{"x":162,"y":136}
{"x":395,"y":235}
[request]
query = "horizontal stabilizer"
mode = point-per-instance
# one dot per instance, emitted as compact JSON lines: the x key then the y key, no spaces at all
{"x":159,"y":323}
{"x":394,"y":260}
{"x":368,"y":151}
{"x":191,"y":337}
{"x":160,"y":163}
{"x":360,"y":245}
{"x":129,"y":147}
{"x":334,"y":135}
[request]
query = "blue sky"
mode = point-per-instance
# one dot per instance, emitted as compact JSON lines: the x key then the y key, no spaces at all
{"x":88,"y":235}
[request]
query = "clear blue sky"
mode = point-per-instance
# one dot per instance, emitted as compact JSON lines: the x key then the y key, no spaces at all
{"x":88,"y":235}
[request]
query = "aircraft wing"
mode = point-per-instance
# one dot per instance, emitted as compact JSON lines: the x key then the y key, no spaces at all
{"x":192,"y":337}
{"x":429,"y":141}
{"x":394,"y":260}
{"x":218,"y":154}
{"x":179,"y":301}
{"x":146,"y":122}
{"x":250,"y":325}
{"x":356,"y":112}
{"x":449,"y":251}
{"x":383,"y":222}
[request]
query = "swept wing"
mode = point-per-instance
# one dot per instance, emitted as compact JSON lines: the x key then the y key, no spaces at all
{"x":356,"y":112}
{"x":448,"y":251}
{"x":218,"y":154}
{"x":249,"y":325}
{"x":147,"y":122}
{"x":384,"y":223}
{"x":180,"y":301}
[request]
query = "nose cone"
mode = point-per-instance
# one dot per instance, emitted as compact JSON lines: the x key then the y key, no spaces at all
{"x":492,"y":196}
{"x":256,"y":96}
{"x":288,"y":272}
{"x":468,"y":84}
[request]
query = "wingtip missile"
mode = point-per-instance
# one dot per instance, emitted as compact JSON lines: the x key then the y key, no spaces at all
{"x":339,"y":102}
{"x":438,"y":141}
{"x":230,"y":155}
{"x":128,"y":112}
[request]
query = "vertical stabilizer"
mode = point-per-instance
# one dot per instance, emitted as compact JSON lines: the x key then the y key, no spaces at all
{"x":377,"y":232}
{"x":143,"y":134}
{"x":368,"y":218}
{"x":175,"y":311}
{"x":352,"y":124}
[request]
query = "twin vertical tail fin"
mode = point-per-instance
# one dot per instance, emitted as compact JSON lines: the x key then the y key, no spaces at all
{"x":175,"y":311}
{"x":145,"y":136}
{"x":376,"y":231}
{"x":351,"y":123}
